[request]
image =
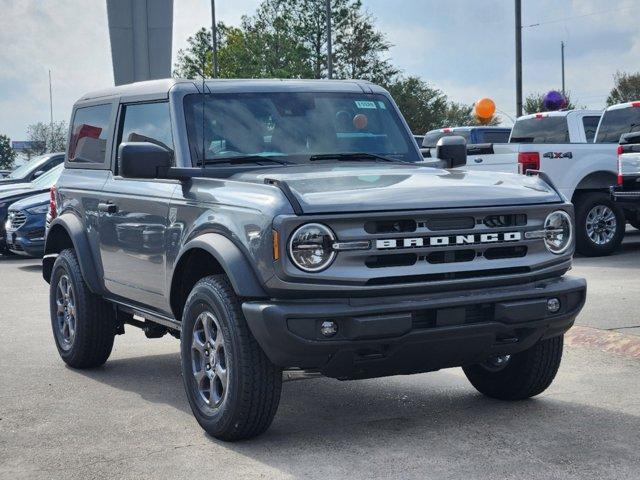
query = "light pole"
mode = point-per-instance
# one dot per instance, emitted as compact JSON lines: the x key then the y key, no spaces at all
{"x":214,"y":40}
{"x":518,"y":57}
{"x":329,"y":46}
{"x":562,"y":57}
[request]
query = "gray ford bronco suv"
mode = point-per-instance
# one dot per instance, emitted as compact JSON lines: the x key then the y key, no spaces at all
{"x":293,"y":226}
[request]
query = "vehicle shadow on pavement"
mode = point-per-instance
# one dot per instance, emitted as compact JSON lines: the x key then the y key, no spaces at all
{"x":432,"y":420}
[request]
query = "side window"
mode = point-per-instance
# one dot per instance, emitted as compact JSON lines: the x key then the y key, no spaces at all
{"x":590,"y":127}
{"x":147,"y":122}
{"x":89,"y":134}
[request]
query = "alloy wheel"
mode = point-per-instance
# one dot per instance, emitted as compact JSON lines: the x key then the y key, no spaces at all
{"x":65,"y":313}
{"x":209,"y":360}
{"x":601,"y":224}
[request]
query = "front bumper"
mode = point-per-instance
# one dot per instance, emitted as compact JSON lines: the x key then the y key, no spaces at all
{"x":28,"y":239}
{"x":383,"y":336}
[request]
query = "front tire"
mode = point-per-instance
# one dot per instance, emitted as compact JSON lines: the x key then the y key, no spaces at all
{"x":83,"y":323}
{"x":232,"y":387}
{"x":524,"y":375}
{"x":600,"y":224}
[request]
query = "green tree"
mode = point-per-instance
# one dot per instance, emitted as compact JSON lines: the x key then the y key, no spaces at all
{"x":195,"y":61}
{"x":533,"y":103}
{"x":47,"y":138}
{"x":461,"y":115}
{"x":360,"y":48}
{"x":287,"y":39}
{"x":7,"y":154}
{"x":626,"y":88}
{"x":423,"y":106}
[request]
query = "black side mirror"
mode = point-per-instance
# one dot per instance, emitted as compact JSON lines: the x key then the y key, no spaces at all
{"x":627,"y":138}
{"x":452,"y":150}
{"x":143,"y":159}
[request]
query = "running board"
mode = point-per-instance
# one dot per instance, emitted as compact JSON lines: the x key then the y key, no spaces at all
{"x":148,"y":315}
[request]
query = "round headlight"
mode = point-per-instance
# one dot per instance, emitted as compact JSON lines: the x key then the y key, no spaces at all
{"x":558,"y":232}
{"x":311,"y":247}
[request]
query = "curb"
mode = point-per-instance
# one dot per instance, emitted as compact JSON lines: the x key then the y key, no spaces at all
{"x":605,"y":340}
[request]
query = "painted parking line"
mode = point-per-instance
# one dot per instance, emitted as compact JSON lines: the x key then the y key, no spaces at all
{"x":608,"y":341}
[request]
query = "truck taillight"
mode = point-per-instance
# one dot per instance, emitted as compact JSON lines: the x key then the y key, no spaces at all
{"x":620,"y":149}
{"x":528,"y":161}
{"x":53,"y":209}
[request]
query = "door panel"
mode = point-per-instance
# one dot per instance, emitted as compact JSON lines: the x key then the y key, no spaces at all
{"x":133,"y":228}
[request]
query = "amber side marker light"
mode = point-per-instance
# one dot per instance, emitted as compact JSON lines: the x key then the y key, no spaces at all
{"x":276,"y":245}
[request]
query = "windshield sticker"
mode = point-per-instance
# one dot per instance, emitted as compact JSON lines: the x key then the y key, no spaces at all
{"x":382,"y":105}
{"x":366,"y":104}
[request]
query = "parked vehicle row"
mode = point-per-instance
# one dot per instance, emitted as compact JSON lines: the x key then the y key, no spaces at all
{"x":22,"y":215}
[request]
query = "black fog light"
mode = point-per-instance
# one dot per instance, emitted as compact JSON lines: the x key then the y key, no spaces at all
{"x":328,"y":328}
{"x":553,"y":305}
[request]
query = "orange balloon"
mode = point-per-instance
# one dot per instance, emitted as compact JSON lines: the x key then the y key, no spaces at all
{"x":485,"y":108}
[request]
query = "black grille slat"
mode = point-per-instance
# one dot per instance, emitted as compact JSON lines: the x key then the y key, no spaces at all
{"x":448,"y":276}
{"x":454,"y":223}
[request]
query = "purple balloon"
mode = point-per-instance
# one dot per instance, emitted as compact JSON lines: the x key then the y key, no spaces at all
{"x":554,"y":100}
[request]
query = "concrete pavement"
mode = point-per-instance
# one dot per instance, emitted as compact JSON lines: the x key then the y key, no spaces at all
{"x":130,"y":419}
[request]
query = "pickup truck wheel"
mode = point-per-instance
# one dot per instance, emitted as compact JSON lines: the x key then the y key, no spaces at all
{"x":600,"y":224}
{"x":83,"y":323}
{"x":232,"y":387}
{"x":518,"y":376}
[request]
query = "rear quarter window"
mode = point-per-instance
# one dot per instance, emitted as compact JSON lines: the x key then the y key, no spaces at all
{"x":617,"y":122}
{"x":541,"y":130}
{"x":494,"y":136}
{"x":89,"y":135}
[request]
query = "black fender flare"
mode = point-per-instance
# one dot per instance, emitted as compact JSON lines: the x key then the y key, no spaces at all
{"x":233,"y":261}
{"x":76,"y":232}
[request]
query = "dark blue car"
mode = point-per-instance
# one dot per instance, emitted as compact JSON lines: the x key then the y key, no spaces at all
{"x":25,"y":225}
{"x":12,"y":194}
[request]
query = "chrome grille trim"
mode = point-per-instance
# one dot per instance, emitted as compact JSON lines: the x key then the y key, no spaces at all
{"x":17,"y":218}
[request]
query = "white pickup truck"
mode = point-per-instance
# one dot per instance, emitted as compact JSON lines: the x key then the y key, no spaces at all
{"x":561,"y":144}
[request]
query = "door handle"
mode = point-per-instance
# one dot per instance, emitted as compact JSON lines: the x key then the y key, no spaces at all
{"x":107,"y":207}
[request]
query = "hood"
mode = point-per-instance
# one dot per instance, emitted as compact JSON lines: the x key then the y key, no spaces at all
{"x":31,"y":201}
{"x":6,"y":187}
{"x":17,"y":194}
{"x":362,"y":187}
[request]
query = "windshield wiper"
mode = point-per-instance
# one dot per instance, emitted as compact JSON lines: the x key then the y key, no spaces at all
{"x":240,"y":159}
{"x":355,"y":157}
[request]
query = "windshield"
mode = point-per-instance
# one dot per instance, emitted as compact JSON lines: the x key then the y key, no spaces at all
{"x":295,"y":125}
{"x":48,"y":179}
{"x":545,"y":129}
{"x":24,"y":169}
{"x":617,"y":122}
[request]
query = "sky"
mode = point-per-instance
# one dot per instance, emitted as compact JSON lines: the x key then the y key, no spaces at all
{"x":464,"y":47}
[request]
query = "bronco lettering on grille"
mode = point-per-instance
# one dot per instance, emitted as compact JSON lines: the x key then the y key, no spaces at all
{"x":441,"y":241}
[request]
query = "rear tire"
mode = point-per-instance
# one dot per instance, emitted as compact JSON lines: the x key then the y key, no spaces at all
{"x":525,"y":375}
{"x":232,"y":387}
{"x":83,"y":323}
{"x":600,"y":224}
